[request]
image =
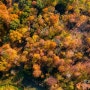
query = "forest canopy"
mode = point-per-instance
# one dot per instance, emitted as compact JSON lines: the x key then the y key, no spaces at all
{"x":44,"y":44}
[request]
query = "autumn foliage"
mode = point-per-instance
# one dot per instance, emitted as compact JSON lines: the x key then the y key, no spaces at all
{"x":44,"y":43}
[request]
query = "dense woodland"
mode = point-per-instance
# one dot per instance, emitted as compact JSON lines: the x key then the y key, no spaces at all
{"x":44,"y":44}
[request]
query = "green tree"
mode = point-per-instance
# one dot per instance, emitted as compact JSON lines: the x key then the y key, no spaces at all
{"x":14,"y":24}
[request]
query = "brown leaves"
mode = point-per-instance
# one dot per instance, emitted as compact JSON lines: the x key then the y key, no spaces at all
{"x":83,"y":86}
